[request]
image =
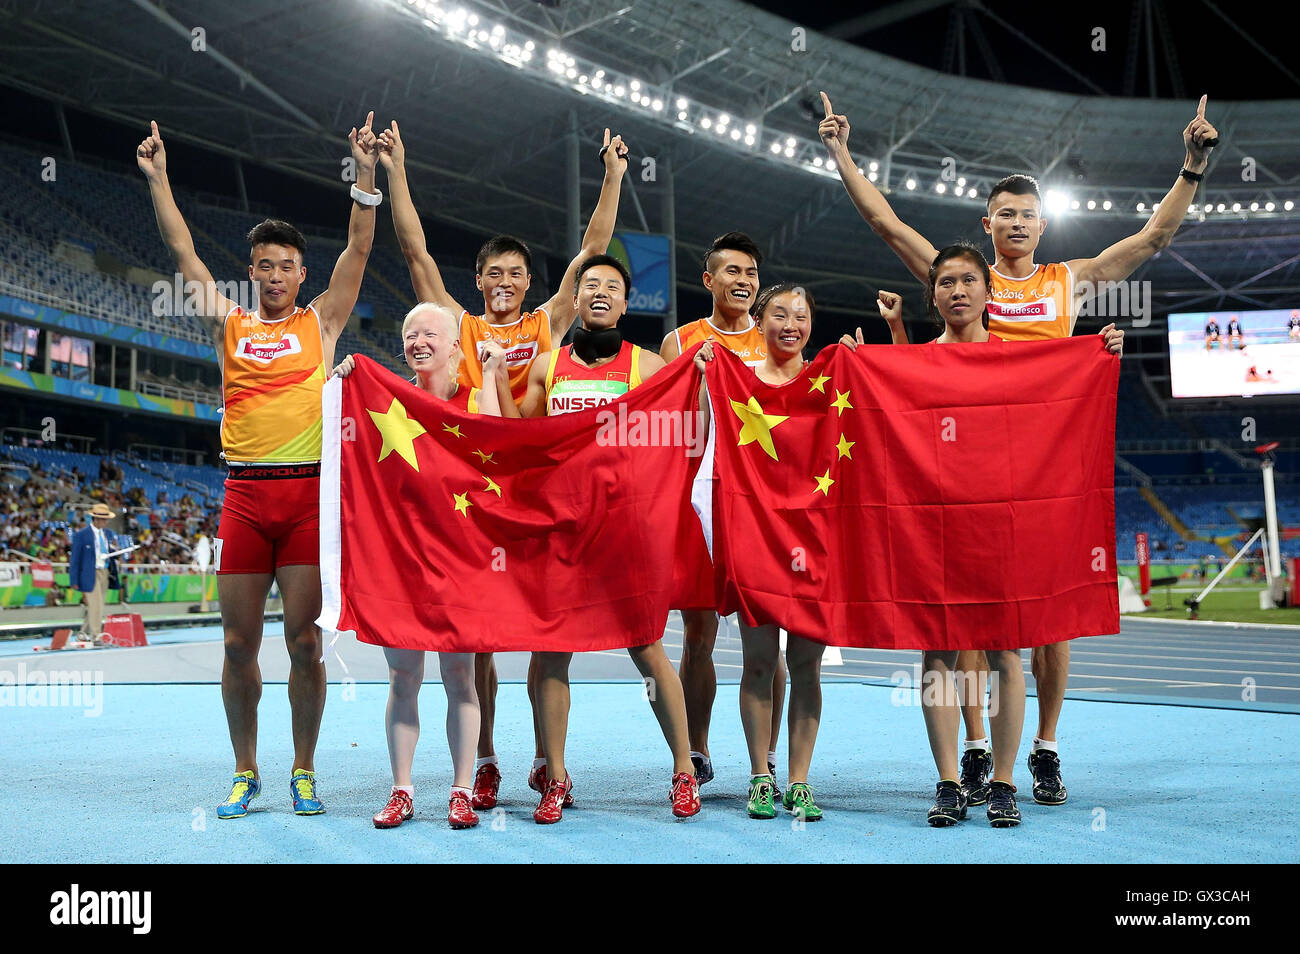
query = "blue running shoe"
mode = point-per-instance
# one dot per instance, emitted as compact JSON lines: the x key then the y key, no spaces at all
{"x":244,"y":789}
{"x":303,"y":788}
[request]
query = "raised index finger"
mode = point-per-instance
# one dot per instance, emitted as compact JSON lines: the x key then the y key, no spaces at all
{"x":826,"y":103}
{"x":1200,"y":107}
{"x":606,"y":142}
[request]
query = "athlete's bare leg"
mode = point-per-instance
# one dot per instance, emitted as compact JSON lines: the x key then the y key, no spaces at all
{"x":698,"y":677}
{"x":974,"y":669}
{"x":485,"y":685}
{"x":1007,"y":717}
{"x":243,"y":604}
{"x":463,"y":718}
{"x":939,"y":707}
{"x":805,"y":659}
{"x":553,"y":708}
{"x":300,"y":593}
{"x":761,"y":645}
{"x":532,"y":699}
{"x":402,"y":715}
{"x":778,"y":700}
{"x":1051,"y":667}
{"x":666,"y":699}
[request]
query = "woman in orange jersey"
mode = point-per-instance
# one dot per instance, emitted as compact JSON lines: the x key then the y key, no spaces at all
{"x":431,"y":342}
{"x":784,"y":316}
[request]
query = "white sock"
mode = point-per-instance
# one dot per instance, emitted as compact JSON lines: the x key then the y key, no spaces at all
{"x":408,"y":789}
{"x":463,"y":791}
{"x":486,"y":760}
{"x":538,"y":763}
{"x":1040,"y":744}
{"x":703,"y":757}
{"x":771,"y":758}
{"x":969,"y":744}
{"x":754,"y":778}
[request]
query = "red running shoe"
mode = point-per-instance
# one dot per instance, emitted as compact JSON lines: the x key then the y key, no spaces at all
{"x":537,"y":782}
{"x":398,"y":810}
{"x":685,"y":795}
{"x":487,"y":782}
{"x":459,"y":812}
{"x":551,"y":808}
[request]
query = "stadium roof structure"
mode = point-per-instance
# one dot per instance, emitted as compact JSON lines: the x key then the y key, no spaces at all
{"x":502,"y":102}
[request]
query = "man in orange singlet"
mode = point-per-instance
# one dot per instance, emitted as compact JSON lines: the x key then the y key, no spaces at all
{"x":598,"y":368}
{"x":1027,"y":302}
{"x":274,"y":362}
{"x":731,"y":275}
{"x":504,"y":275}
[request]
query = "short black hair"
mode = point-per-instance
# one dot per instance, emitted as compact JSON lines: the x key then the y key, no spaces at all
{"x":1017,"y":184}
{"x":612,"y":262}
{"x":735,"y":241}
{"x":502,"y":245}
{"x":962,"y":249}
{"x":276,"y":232}
{"x":780,"y":288}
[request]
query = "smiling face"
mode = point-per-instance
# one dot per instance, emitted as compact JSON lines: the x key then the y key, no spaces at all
{"x":960,"y":292}
{"x":431,"y":340}
{"x":278,"y":272}
{"x":733,"y":279}
{"x":1016,"y":223}
{"x":786,"y":323}
{"x":601,"y":299}
{"x":503,"y":282}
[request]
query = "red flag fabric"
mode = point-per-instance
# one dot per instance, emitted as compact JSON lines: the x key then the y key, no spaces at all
{"x":956,"y":496}
{"x":444,"y":530}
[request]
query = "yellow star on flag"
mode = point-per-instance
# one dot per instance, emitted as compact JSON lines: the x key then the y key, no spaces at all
{"x":756,"y":425}
{"x":819,"y":384}
{"x":453,"y":430}
{"x":399,"y":432}
{"x":492,"y":485}
{"x":824,"y":482}
{"x":485,"y":458}
{"x":844,"y":446}
{"x":842,"y":401}
{"x":462,"y":503}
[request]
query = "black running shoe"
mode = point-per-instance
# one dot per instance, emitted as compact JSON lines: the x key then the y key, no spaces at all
{"x":976,"y":766}
{"x":1002,"y":811}
{"x":703,"y":769}
{"x":949,"y":805}
{"x":1045,"y":767}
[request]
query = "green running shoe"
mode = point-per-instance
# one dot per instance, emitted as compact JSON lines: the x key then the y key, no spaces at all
{"x":761,"y":803}
{"x":799,"y":799}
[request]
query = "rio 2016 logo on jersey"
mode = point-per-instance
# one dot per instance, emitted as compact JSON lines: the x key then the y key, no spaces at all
{"x":268,"y":351}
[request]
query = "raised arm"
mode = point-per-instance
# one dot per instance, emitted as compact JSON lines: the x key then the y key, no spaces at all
{"x":908,"y":244}
{"x":335,"y":303}
{"x":151,"y":157}
{"x":1120,"y":260}
{"x":425,"y":277}
{"x":600,"y":230}
{"x":534,"y":402}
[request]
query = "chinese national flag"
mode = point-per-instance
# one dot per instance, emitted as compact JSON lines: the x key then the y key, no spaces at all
{"x":955,"y":496}
{"x":444,"y":530}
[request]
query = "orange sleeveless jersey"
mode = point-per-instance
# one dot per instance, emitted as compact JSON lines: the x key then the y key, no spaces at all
{"x":1034,"y":308}
{"x":272,"y":374}
{"x":747,"y":345}
{"x":524,"y":340}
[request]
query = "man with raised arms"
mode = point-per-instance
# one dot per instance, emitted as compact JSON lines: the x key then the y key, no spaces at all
{"x":503,"y":270}
{"x":274,"y":362}
{"x":1027,"y":301}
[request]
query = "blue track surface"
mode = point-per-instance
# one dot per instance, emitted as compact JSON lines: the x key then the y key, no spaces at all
{"x":141,"y":781}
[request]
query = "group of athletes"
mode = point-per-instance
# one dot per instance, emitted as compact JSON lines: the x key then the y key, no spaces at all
{"x":507,"y":361}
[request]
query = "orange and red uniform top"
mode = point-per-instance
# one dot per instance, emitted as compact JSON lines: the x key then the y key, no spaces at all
{"x":1035,"y":308}
{"x":523,"y":340}
{"x":747,"y":344}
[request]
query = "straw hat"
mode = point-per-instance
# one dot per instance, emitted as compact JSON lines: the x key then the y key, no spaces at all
{"x":101,"y":510}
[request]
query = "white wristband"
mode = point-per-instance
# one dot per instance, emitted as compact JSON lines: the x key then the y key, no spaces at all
{"x":367,"y":198}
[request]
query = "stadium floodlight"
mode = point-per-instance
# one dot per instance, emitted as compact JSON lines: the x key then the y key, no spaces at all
{"x":1141,"y":206}
{"x":750,"y":129}
{"x":681,"y":102}
{"x":1092,"y":204}
{"x":657,"y":105}
{"x":1209,"y":207}
{"x":735,"y":133}
{"x":789,"y":152}
{"x":873,"y":176}
{"x":972,"y":193}
{"x":683,"y":115}
{"x":830,"y":164}
{"x":940,"y":188}
{"x":1106,"y":205}
{"x":706,"y":123}
{"x":1222,"y":207}
{"x":1236,"y":206}
{"x":1269,"y":206}
{"x":1254,"y":207}
{"x":1288,"y":205}
{"x":749,"y":140}
{"x":873,"y":165}
{"x":635,"y":86}
{"x":776,"y":148}
{"x":724,"y":119}
{"x":1057,"y":201}
{"x":961,"y":182}
{"x":817,"y":161}
{"x":911,"y":183}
